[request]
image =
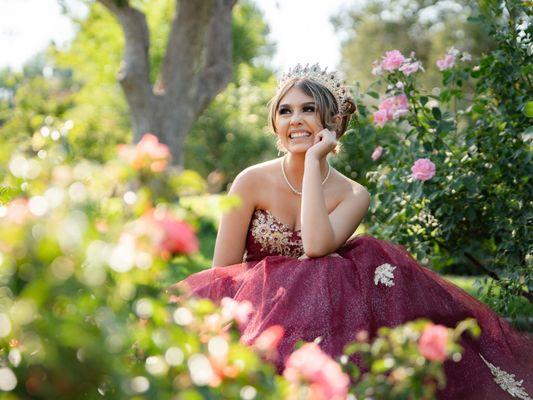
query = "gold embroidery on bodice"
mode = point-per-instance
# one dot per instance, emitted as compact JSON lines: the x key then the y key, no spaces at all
{"x":274,"y":236}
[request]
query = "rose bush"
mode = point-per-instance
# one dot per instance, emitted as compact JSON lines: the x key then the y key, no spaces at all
{"x":452,"y":177}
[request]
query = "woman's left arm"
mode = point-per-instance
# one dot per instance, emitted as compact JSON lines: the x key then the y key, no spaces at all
{"x":323,"y":233}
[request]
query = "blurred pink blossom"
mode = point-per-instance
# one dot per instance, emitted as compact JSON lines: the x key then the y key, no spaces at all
{"x":269,"y":339}
{"x":239,"y":311}
{"x":172,"y":235}
{"x":410,"y":68}
{"x":423,"y":169}
{"x":18,"y":211}
{"x":398,"y":105}
{"x":392,"y":60}
{"x":433,"y":342}
{"x":376,"y":154}
{"x":147,"y":154}
{"x":179,"y":236}
{"x":381,"y":118}
{"x":446,"y":63}
{"x":325,"y":376}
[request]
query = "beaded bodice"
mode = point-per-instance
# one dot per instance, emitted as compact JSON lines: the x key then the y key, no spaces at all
{"x":267,"y":236}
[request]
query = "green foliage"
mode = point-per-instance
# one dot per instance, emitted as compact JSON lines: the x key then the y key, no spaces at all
{"x":425,"y":27}
{"x":231,"y":135}
{"x":81,"y":319}
{"x":84,"y":311}
{"x":394,"y":365}
{"x":101,"y":113}
{"x":28,"y":99}
{"x":475,"y":210}
{"x":100,"y":109}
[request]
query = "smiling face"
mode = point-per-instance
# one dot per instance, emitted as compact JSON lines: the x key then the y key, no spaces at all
{"x":296,"y":121}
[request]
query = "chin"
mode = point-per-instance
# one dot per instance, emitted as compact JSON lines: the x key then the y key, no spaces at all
{"x":297,"y":151}
{"x":298,"y":148}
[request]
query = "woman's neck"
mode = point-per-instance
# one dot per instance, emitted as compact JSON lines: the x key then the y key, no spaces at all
{"x":295,"y":165}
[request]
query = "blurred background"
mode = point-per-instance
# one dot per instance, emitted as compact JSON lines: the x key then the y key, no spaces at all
{"x":84,"y":189}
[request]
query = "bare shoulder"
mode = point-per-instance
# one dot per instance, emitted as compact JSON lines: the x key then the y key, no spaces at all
{"x":350,"y":189}
{"x":252,"y":180}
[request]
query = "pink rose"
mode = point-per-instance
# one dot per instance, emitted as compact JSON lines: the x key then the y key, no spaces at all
{"x":410,"y":68}
{"x":446,"y":63}
{"x":381,"y":118}
{"x":423,"y":169}
{"x":179,"y":236}
{"x":391,"y":108}
{"x":392,"y":60}
{"x":269,"y":339}
{"x":325,"y":376}
{"x":147,"y":154}
{"x":433,"y":342}
{"x":376,"y":154}
{"x":239,"y":311}
{"x":174,"y":236}
{"x":400,"y":106}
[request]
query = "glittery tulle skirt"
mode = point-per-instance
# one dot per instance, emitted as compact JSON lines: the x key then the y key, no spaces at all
{"x":374,"y":283}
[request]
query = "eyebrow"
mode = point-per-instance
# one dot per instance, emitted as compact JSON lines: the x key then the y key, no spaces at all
{"x":309,"y":103}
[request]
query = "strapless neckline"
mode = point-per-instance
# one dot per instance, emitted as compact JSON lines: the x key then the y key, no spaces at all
{"x":277,"y":220}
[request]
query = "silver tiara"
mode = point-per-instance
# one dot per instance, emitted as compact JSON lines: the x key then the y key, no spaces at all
{"x":330,"y":80}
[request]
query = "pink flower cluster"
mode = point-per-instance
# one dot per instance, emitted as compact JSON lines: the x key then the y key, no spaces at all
{"x":239,"y":311}
{"x":172,"y":236}
{"x":267,"y":342}
{"x":391,"y":108}
{"x":451,"y":57}
{"x":394,"y":60}
{"x":147,"y":154}
{"x":446,"y":63}
{"x":433,"y":342}
{"x":423,"y":169}
{"x":325,"y":377}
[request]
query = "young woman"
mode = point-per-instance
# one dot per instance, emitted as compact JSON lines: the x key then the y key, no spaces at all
{"x":287,"y":250}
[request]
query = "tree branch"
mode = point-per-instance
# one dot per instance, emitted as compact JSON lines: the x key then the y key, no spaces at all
{"x":219,"y":58}
{"x":483,"y":268}
{"x":184,"y":53}
{"x":135,"y":68}
{"x":493,"y":275}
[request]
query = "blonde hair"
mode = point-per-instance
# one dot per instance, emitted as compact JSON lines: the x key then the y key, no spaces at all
{"x":326,"y":107}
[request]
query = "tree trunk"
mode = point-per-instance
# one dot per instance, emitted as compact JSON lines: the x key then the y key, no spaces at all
{"x":196,"y":67}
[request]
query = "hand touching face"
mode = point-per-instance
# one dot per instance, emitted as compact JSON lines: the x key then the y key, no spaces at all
{"x":325,"y":141}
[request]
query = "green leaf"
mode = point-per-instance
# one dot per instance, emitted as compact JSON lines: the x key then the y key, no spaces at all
{"x":436,"y":112}
{"x":423,"y":100}
{"x":528,"y":109}
{"x":373,"y":94}
{"x":379,"y":367}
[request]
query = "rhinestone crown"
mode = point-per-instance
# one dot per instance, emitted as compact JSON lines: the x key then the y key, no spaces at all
{"x":330,"y":80}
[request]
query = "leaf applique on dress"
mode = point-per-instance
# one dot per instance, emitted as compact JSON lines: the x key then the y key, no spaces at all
{"x":384,"y":275}
{"x":507,"y":381}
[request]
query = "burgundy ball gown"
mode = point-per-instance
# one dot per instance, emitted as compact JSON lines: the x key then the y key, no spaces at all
{"x":374,"y":283}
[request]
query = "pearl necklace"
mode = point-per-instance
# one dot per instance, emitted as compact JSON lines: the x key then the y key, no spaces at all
{"x":287,"y":180}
